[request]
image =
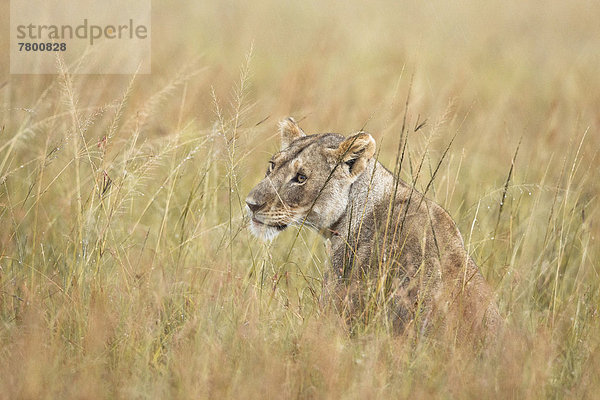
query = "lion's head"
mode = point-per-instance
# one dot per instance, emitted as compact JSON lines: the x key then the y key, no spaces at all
{"x":308,"y":181}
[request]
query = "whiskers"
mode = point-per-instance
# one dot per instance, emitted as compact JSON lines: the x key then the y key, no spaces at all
{"x":266,"y":225}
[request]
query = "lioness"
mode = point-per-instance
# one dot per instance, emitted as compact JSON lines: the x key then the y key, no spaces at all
{"x":391,"y":248}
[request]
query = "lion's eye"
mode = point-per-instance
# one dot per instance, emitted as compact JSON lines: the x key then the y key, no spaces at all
{"x":270,"y":167}
{"x":300,"y":178}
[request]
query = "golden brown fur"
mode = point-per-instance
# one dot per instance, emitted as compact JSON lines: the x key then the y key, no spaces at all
{"x":395,"y":253}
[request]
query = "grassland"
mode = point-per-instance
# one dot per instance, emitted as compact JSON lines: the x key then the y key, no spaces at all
{"x":126,"y":267}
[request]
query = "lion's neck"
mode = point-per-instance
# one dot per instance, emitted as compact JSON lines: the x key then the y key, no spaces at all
{"x":366,"y":195}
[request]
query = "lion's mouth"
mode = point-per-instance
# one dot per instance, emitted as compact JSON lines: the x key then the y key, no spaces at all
{"x":276,"y":226}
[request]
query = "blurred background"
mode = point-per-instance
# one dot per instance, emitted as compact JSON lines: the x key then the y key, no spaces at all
{"x":126,"y":269}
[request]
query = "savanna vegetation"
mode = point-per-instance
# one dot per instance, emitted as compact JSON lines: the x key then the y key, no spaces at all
{"x":126,"y":266}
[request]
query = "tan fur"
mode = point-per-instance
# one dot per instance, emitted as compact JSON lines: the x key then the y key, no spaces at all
{"x":393,"y":251}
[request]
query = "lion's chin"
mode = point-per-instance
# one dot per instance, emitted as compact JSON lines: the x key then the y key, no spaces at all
{"x":264,"y":232}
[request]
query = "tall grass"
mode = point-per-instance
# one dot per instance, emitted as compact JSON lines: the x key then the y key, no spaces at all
{"x":127,"y":270}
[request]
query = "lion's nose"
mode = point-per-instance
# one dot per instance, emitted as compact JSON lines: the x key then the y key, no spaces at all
{"x":253,"y":206}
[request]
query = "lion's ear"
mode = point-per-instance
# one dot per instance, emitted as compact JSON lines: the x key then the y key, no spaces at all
{"x":290,"y":131}
{"x":356,"y":151}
